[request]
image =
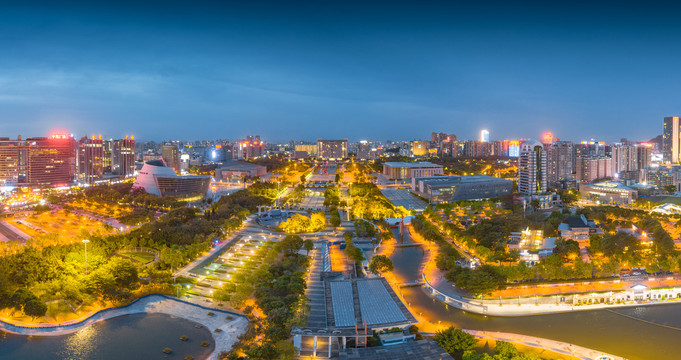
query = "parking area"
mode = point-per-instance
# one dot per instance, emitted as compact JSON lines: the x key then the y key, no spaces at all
{"x":404,"y":198}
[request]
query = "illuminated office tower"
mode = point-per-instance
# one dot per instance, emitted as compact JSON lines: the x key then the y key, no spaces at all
{"x":532,"y":178}
{"x":484,"y":136}
{"x":671,"y":139}
{"x":90,"y":159}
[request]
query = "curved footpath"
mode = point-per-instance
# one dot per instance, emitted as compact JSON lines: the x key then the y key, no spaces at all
{"x":440,"y":289}
{"x":150,"y":304}
{"x":541,"y":343}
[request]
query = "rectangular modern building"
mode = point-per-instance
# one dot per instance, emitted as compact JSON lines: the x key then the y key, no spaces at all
{"x":532,"y":169}
{"x":608,"y":192}
{"x":123,"y":156}
{"x":332,"y":149}
{"x":250,"y":148}
{"x":51,"y":160}
{"x":671,"y":139}
{"x":90,"y":160}
{"x":238,"y":170}
{"x":408,"y":170}
{"x":590,"y":168}
{"x":559,"y":159}
{"x":440,"y":189}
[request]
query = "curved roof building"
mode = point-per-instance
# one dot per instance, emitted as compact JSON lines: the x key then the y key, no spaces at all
{"x":157,"y":178}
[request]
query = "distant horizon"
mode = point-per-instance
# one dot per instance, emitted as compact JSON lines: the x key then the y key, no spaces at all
{"x":137,"y":139}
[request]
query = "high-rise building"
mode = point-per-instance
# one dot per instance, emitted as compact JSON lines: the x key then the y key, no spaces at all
{"x":437,"y":138}
{"x":51,"y":160}
{"x":477,"y":149}
{"x":332,"y":149}
{"x":171,"y":156}
{"x":107,"y":155}
{"x":90,"y":159}
{"x":250,"y":148}
{"x":624,"y":158}
{"x":123,"y":156}
{"x":13,"y":161}
{"x":671,"y":139}
{"x":643,"y":155}
{"x":514,"y":148}
{"x":559,"y":158}
{"x":532,"y":169}
{"x":590,"y":168}
{"x":500,"y":148}
{"x":484,"y":136}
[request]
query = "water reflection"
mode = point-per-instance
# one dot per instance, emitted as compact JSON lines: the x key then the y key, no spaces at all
{"x":138,"y":336}
{"x":82,"y":344}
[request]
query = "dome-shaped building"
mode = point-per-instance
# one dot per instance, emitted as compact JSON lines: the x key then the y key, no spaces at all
{"x":157,"y":178}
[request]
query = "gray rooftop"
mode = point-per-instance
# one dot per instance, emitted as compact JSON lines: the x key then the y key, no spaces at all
{"x":343,"y":304}
{"x":423,"y":350}
{"x":411,"y":164}
{"x":376,"y":304}
{"x":454,"y":179}
{"x":238,"y":165}
{"x":355,"y":301}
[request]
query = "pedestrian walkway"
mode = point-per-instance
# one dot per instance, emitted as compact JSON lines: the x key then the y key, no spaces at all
{"x":546,"y":344}
{"x":315,"y":292}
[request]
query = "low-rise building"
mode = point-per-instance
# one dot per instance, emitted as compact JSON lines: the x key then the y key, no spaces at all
{"x":454,"y":188}
{"x":579,"y":228}
{"x":608,"y":192}
{"x":409,"y":170}
{"x":238,"y":170}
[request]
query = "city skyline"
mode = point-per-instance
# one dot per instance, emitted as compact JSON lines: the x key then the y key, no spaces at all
{"x":335,"y":70}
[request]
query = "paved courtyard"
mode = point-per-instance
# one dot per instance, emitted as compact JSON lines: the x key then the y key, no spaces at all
{"x":403,"y":197}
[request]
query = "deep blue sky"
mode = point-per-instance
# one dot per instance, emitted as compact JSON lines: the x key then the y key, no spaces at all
{"x":356,"y":69}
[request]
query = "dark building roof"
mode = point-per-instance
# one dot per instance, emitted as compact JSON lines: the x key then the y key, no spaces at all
{"x":422,"y":350}
{"x":156,"y":163}
{"x":576,"y":222}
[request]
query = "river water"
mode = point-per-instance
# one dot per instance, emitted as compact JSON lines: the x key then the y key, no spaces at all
{"x":645,"y":333}
{"x":137,"y":336}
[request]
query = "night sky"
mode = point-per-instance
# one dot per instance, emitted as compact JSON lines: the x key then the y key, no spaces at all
{"x":357,"y":69}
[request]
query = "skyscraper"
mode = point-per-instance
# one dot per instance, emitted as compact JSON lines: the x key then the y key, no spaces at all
{"x":13,"y":161}
{"x":590,"y":168}
{"x":90,"y":159}
{"x":484,"y":136}
{"x":671,"y":139}
{"x":171,"y":155}
{"x":624,"y":158}
{"x":559,"y":158}
{"x":643,"y":156}
{"x":250,"y":148}
{"x":123,"y":156}
{"x":532,"y":169}
{"x":51,"y":160}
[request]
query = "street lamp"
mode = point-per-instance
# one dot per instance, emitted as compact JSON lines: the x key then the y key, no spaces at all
{"x":85,"y":241}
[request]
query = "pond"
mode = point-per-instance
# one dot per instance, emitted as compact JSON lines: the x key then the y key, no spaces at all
{"x":137,"y":336}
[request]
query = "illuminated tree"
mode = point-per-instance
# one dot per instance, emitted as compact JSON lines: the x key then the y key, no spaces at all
{"x":380,"y":264}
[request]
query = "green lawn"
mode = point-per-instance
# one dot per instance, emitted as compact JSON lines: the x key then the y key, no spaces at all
{"x":141,"y":257}
{"x":663,"y":199}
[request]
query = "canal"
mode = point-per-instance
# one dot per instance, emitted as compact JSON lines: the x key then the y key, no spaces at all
{"x":637,"y":333}
{"x":137,"y":336}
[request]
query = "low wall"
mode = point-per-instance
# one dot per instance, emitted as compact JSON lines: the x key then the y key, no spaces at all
{"x":68,"y":327}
